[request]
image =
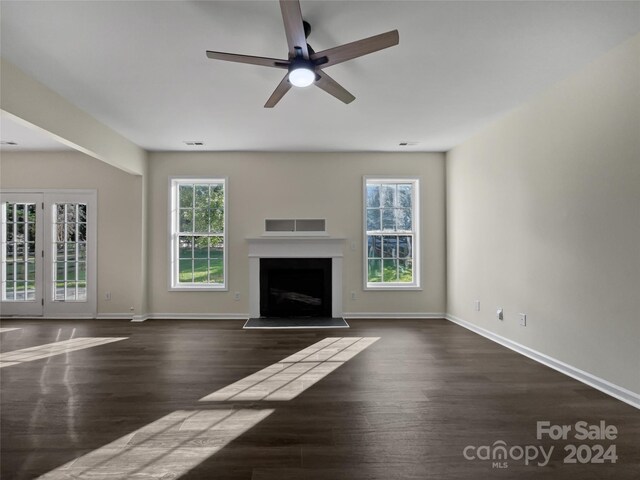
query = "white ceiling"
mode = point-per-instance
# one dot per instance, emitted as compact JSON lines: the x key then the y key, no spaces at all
{"x":26,"y":137}
{"x":140,"y":67}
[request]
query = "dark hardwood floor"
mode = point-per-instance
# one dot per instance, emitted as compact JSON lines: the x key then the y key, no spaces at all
{"x":403,"y":408}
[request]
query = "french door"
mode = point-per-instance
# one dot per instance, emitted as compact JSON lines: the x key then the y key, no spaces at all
{"x":48,"y":264}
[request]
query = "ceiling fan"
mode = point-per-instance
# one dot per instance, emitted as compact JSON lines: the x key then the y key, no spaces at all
{"x":304,"y":66}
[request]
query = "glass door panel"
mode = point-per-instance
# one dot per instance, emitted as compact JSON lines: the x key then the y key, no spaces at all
{"x":21,"y":262}
{"x":70,"y":269}
{"x":70,"y":259}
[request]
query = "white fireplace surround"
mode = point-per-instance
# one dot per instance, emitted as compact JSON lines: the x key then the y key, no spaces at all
{"x":296,"y":247}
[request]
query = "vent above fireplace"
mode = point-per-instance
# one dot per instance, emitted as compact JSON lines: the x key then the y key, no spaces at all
{"x":296,"y":226}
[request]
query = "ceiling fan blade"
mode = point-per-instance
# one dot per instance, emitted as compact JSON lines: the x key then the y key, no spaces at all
{"x":263,"y":61}
{"x":329,"y":85}
{"x":356,"y":49}
{"x":282,"y":88}
{"x":293,"y":27}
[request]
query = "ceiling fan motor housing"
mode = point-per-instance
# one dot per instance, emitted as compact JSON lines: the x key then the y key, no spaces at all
{"x":301,"y":62}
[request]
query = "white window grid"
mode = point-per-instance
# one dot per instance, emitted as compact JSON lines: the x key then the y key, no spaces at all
{"x":18,"y":252}
{"x":408,"y":255}
{"x":216,"y":242}
{"x":69,"y":252}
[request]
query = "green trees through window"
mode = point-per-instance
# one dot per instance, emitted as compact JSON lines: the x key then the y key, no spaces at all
{"x":19,"y":255}
{"x":199,"y":233}
{"x":391,"y":233}
{"x":70,"y":262}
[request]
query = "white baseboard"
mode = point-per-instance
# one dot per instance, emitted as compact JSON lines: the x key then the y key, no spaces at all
{"x":191,"y":316}
{"x":245,"y":316}
{"x":59,"y":317}
{"x":114,"y":316}
{"x":598,"y":383}
{"x":403,"y":315}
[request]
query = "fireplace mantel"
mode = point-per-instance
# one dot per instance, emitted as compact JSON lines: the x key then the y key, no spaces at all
{"x":291,"y":246}
{"x":296,"y":246}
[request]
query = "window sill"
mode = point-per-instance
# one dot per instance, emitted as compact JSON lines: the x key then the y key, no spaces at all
{"x":193,"y":288}
{"x":391,"y":287}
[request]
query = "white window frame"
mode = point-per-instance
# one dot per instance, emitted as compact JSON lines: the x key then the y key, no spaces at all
{"x":174,"y":210}
{"x":417,"y":265}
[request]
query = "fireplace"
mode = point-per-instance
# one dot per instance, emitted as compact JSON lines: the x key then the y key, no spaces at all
{"x":295,"y":287}
{"x":297,"y":248}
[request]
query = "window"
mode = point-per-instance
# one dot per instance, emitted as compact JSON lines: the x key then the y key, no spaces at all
{"x":70,"y":258}
{"x":18,"y":252}
{"x":198,"y":234}
{"x":391,"y":233}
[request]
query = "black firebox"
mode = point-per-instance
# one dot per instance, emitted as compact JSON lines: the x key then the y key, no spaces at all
{"x":295,"y":287}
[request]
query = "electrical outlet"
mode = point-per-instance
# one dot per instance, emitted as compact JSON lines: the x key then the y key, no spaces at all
{"x":353,"y":295}
{"x":477,"y":305}
{"x":500,"y":313}
{"x":523,"y":319}
{"x":353,"y":245}
{"x":236,"y":296}
{"x":107,"y":296}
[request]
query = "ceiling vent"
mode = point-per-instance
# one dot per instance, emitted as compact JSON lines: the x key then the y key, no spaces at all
{"x":407,"y":144}
{"x":194,"y":143}
{"x":3,"y":142}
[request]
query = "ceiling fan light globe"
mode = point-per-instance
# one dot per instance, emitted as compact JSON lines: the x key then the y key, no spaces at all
{"x":301,"y":77}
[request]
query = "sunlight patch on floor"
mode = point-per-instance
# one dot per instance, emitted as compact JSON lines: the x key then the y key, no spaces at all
{"x":290,"y":377}
{"x":166,"y":448}
{"x":51,"y":349}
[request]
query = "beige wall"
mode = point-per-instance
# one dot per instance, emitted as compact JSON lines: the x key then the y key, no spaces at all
{"x":261,"y":185}
{"x":297,"y":185}
{"x":119,"y":216}
{"x":543,"y":217}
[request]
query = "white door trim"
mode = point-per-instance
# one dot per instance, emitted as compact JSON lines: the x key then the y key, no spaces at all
{"x":45,"y":249}
{"x":53,"y":308}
